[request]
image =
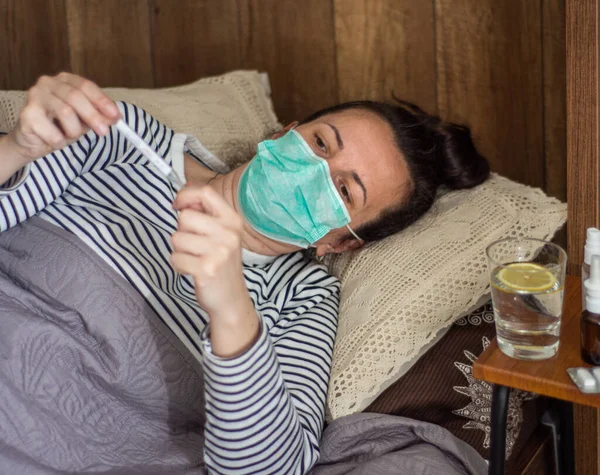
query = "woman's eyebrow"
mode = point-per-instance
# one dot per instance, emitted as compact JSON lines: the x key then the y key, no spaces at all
{"x":362,"y":185}
{"x":337,"y":135}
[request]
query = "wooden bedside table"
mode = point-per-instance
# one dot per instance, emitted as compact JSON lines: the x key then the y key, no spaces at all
{"x":548,"y":378}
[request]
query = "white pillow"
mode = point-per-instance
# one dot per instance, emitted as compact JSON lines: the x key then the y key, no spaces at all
{"x":400,"y":293}
{"x":229,"y":114}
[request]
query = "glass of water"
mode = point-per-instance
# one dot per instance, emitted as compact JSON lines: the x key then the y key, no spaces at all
{"x":527,"y":277}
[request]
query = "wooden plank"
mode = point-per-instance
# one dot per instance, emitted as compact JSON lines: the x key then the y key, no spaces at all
{"x":294,"y":42}
{"x":110,"y":41}
{"x":583,"y":184}
{"x":555,"y":97}
{"x":31,"y":44}
{"x":385,"y":47}
{"x":489,"y":62}
{"x":194,"y":38}
{"x":555,"y":103}
{"x":586,"y":422}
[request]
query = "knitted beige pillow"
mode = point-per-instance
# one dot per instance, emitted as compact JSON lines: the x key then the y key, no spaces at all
{"x":398,"y":294}
{"x":229,"y":114}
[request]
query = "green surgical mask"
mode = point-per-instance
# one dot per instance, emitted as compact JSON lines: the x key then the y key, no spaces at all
{"x":286,"y":193}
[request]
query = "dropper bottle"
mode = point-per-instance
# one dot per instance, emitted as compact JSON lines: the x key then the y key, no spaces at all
{"x":590,"y":317}
{"x":592,"y":247}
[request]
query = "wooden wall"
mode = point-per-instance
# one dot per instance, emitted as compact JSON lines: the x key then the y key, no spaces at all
{"x":497,"y":65}
{"x":583,"y":146}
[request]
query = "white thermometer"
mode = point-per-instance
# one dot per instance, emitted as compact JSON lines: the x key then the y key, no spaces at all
{"x":147,"y":152}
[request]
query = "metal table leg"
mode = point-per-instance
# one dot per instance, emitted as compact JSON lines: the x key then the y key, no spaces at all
{"x":559,"y":417}
{"x":498,"y":427}
{"x":566,"y":441}
{"x":552,"y":418}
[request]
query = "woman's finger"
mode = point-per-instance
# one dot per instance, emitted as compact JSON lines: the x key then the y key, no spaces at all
{"x":185,"y":263}
{"x":196,"y":222}
{"x":83,"y":107}
{"x":198,"y":267}
{"x":65,"y":115}
{"x":40,"y":125}
{"x":192,"y":243}
{"x":100,"y":100}
{"x":211,"y":201}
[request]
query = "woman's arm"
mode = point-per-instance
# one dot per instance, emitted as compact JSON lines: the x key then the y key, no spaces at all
{"x":11,"y":160}
{"x":265,"y":388}
{"x":37,"y":184}
{"x":207,"y":246}
{"x":59,"y":111}
{"x":265,"y":409}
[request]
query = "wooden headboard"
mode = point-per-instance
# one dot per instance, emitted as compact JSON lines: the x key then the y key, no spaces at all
{"x":497,"y":65}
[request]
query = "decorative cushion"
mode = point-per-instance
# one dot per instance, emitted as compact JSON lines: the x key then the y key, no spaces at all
{"x":440,"y":388}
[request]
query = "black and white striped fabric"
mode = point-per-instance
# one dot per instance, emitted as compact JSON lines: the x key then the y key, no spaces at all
{"x":264,"y":409}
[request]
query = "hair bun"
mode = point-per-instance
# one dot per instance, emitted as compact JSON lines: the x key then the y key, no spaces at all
{"x":462,"y":166}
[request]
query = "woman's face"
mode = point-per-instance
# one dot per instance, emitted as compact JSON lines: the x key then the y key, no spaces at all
{"x":367,"y":168}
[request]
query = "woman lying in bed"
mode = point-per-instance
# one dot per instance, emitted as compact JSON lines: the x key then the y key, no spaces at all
{"x":227,"y":253}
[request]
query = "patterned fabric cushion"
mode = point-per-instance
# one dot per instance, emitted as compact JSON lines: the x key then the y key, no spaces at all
{"x":440,"y":388}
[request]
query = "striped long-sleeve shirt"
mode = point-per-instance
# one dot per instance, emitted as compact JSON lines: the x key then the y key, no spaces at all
{"x":265,"y":408}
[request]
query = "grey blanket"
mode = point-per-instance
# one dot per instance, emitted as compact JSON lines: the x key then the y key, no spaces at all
{"x":378,"y":444}
{"x":92,"y":381}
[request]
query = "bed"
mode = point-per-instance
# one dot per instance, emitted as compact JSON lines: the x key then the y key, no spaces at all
{"x":527,"y":90}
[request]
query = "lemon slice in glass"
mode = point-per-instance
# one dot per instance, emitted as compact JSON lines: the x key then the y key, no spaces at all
{"x":526,"y":277}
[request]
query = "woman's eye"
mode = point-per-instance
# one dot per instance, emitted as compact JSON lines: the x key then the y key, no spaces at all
{"x":319,"y":142}
{"x":344,"y":192}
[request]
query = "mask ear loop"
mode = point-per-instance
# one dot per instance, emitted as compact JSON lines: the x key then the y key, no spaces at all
{"x":354,"y":234}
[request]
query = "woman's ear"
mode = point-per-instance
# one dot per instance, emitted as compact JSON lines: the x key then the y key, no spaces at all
{"x":346,"y":245}
{"x":343,"y":246}
{"x":285,"y":130}
{"x":323,"y":249}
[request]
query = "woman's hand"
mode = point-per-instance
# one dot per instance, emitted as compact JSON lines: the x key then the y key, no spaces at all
{"x":207,"y":246}
{"x":59,"y":110}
